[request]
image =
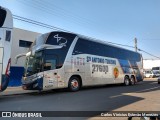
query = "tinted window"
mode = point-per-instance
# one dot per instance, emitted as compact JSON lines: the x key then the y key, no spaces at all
{"x":155,"y":68}
{"x":60,"y":39}
{"x":89,"y":47}
{"x":8,"y":35}
{"x":2,"y":17}
{"x":60,"y":56}
{"x":50,"y":62}
{"x":23,"y":43}
{"x":148,"y":72}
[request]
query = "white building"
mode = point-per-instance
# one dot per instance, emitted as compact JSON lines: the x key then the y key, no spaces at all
{"x":148,"y":64}
{"x":22,"y":39}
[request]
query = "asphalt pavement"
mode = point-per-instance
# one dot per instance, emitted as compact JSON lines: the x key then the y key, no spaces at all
{"x":140,"y":97}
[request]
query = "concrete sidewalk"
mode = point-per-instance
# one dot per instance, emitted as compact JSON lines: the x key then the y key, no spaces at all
{"x":15,"y":90}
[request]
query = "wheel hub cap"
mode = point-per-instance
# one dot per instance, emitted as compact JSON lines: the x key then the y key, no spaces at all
{"x":74,"y":83}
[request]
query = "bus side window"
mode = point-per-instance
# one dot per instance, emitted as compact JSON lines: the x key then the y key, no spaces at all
{"x":8,"y":35}
{"x":49,"y":62}
{"x":49,"y":65}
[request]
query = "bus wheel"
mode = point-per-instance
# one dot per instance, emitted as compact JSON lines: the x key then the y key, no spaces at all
{"x":126,"y":81}
{"x":132,"y":81}
{"x":74,"y":84}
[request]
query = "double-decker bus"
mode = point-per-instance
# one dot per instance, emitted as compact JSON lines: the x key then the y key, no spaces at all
{"x":6,"y":26}
{"x":67,"y":60}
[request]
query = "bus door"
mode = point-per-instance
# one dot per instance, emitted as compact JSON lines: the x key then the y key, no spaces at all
{"x":50,"y":71}
{"x":1,"y":37}
{"x":7,"y":42}
{"x":1,"y":54}
{"x":1,"y":64}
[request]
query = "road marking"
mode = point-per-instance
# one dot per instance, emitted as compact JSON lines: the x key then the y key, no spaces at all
{"x":116,"y":96}
{"x":120,"y":95}
{"x":153,"y":83}
{"x":134,"y":92}
{"x":128,"y":93}
{"x":148,"y":89}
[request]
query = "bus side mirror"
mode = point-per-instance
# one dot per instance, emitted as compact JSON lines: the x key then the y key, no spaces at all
{"x":19,"y":56}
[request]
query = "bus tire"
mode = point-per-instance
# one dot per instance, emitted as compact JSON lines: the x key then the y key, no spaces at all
{"x":132,"y":80}
{"x":126,"y":81}
{"x":74,"y":84}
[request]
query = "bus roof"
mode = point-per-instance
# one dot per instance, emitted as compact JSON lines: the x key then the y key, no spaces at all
{"x":95,"y":40}
{"x":7,"y":18}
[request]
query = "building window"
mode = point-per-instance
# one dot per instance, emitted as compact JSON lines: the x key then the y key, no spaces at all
{"x":8,"y":35}
{"x":23,"y":43}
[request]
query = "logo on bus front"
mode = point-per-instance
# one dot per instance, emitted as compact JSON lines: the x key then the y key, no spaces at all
{"x":61,"y":40}
{"x":116,"y":72}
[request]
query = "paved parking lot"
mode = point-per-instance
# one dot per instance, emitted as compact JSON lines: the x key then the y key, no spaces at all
{"x":150,"y":101}
{"x":143,"y":96}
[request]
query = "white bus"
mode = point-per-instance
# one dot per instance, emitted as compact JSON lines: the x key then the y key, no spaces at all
{"x":6,"y":26}
{"x":67,"y":60}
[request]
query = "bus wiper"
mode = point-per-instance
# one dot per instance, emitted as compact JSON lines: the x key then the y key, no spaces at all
{"x":21,"y":55}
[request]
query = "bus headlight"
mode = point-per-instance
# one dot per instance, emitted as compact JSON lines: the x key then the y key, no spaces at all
{"x":40,"y":77}
{"x":24,"y":78}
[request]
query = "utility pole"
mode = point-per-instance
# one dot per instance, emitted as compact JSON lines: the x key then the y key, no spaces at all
{"x":135,"y":44}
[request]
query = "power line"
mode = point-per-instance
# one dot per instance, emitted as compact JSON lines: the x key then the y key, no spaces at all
{"x":149,"y":59}
{"x":65,"y":11}
{"x":149,"y":53}
{"x":64,"y":14}
{"x":121,"y":45}
{"x":53,"y":27}
{"x":37,"y":23}
{"x":50,"y":10}
{"x":137,"y":49}
{"x":150,"y":39}
{"x":56,"y":28}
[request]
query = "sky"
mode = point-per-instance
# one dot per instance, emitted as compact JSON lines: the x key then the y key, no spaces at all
{"x":117,"y":21}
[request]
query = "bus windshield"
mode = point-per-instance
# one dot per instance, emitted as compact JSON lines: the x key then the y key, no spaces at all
{"x":33,"y":64}
{"x":40,"y":62}
{"x":2,"y":16}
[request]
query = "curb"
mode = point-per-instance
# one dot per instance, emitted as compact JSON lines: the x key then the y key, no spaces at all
{"x":15,"y":91}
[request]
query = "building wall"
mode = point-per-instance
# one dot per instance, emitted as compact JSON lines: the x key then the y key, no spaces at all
{"x":17,"y":70}
{"x":20,"y":34}
{"x":148,"y":64}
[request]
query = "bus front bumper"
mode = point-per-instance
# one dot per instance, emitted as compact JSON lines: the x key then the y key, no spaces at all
{"x":4,"y":82}
{"x":33,"y":85}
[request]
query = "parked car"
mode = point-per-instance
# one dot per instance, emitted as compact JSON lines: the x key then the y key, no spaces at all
{"x":156,"y":73}
{"x":156,"y":70}
{"x":149,"y":74}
